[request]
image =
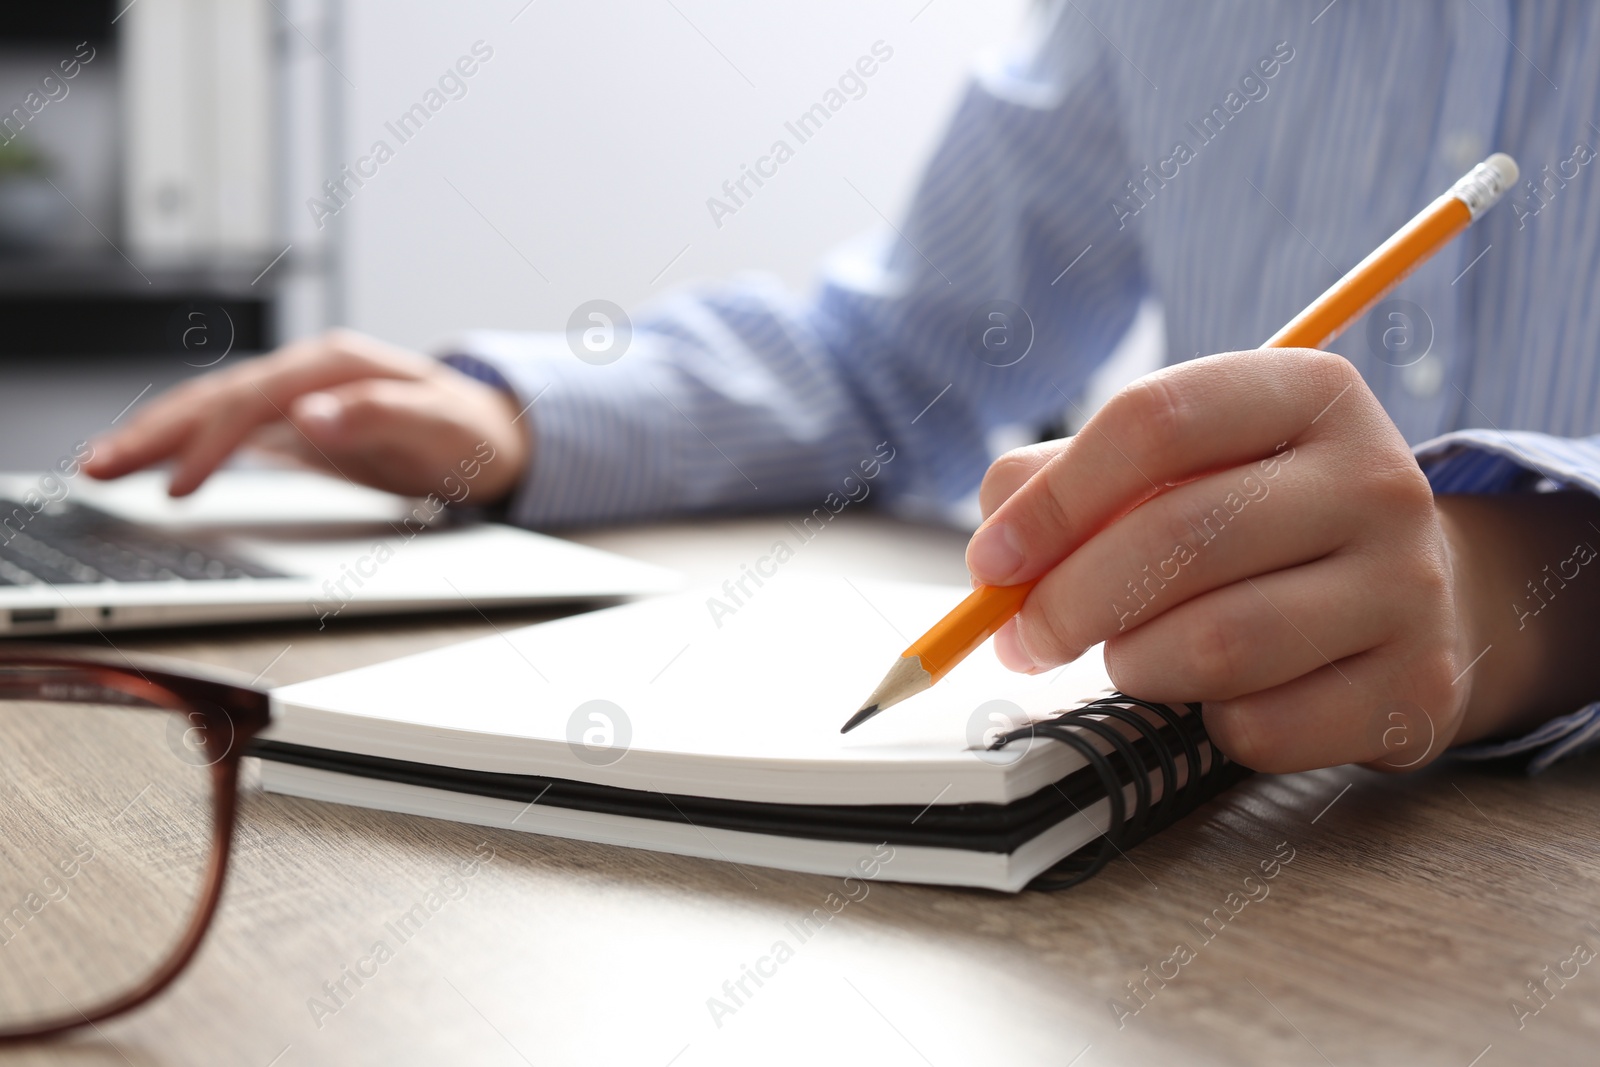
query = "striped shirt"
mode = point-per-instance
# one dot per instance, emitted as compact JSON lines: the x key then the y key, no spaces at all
{"x":1228,"y":159}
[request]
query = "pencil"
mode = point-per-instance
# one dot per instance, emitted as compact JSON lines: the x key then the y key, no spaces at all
{"x":988,"y":607}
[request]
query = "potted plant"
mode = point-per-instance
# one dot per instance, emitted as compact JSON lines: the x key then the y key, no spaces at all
{"x":31,"y":210}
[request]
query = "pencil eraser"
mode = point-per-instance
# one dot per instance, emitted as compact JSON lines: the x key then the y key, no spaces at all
{"x":1486,"y":183}
{"x":1505,"y":168}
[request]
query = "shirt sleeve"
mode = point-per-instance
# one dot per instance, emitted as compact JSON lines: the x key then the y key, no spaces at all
{"x":1492,"y":461}
{"x":741,"y":396}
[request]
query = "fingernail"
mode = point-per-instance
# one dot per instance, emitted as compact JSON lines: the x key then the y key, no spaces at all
{"x":994,"y":554}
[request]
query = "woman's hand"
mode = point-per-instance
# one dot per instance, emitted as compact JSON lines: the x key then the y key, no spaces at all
{"x":1250,"y":530}
{"x":342,"y":402}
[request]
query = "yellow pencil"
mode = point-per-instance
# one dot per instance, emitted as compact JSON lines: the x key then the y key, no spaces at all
{"x":988,"y":607}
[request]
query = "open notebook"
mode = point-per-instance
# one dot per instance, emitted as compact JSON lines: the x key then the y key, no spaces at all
{"x":698,"y":725}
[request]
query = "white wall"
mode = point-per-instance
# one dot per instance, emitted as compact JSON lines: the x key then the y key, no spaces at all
{"x":594,"y":136}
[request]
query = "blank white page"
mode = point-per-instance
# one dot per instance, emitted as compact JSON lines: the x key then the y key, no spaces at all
{"x":744,"y":703}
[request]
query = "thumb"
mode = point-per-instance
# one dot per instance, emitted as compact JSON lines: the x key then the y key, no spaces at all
{"x":361,"y":417}
{"x":321,"y":417}
{"x":384,"y":432}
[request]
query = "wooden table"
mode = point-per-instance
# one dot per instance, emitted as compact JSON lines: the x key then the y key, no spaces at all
{"x":1411,"y":916}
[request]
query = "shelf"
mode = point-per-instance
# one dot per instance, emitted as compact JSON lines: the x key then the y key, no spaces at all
{"x":59,"y":304}
{"x":68,"y":274}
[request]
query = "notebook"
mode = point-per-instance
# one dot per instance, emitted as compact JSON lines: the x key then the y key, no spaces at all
{"x":708,"y":725}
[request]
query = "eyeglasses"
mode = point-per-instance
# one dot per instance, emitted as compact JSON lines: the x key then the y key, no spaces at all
{"x":118,"y":788}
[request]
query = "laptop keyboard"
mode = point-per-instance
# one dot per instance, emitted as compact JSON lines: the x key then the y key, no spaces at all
{"x":74,"y":544}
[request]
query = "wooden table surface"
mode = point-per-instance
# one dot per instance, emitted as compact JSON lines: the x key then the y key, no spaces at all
{"x":1408,"y":920}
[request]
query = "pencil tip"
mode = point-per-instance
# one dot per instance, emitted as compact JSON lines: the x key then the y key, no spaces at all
{"x":904,"y":679}
{"x":859,"y":717}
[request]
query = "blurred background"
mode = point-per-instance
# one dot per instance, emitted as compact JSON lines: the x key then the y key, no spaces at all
{"x":186,"y":182}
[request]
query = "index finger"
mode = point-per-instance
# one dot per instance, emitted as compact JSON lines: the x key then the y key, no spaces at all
{"x":221,"y":409}
{"x":1165,"y":429}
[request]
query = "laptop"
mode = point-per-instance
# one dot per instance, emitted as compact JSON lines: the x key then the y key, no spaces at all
{"x":254,"y":544}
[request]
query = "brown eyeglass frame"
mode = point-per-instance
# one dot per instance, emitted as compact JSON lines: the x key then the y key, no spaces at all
{"x":230,"y":713}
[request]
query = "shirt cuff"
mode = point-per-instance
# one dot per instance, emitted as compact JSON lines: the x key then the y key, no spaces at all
{"x":1557,"y":739}
{"x":1491,"y":461}
{"x":602,"y":448}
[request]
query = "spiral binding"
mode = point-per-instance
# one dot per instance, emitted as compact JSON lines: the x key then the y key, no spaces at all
{"x":1147,"y":818}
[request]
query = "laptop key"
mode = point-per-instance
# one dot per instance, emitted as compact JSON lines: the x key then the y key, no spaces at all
{"x":69,"y":542}
{"x":45,"y":563}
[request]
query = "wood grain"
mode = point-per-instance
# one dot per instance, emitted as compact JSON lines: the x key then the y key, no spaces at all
{"x":1412,"y":913}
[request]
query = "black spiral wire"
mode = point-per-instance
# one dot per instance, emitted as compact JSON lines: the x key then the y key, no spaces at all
{"x":1073,"y":728}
